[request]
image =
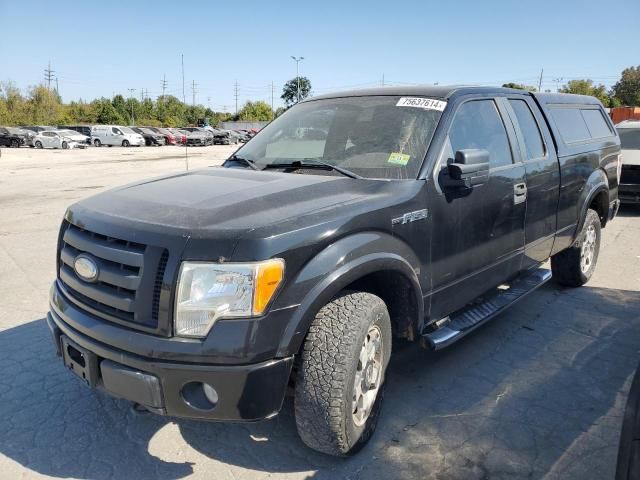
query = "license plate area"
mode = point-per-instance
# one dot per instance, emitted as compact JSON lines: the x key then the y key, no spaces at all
{"x":80,"y":361}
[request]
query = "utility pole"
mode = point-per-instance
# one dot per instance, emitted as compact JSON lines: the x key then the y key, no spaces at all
{"x":235,"y":94}
{"x":540,"y":81}
{"x":164,"y":85}
{"x":193,"y":91}
{"x":142,"y":95}
{"x":184,"y":100}
{"x":132,"y":91}
{"x":57,"y":88}
{"x":49,"y":75}
{"x":273,"y":112}
{"x":298,"y":60}
{"x":557,"y":82}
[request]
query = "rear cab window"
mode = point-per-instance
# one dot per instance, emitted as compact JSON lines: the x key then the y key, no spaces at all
{"x":580,"y":123}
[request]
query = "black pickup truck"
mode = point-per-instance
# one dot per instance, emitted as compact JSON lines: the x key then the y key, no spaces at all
{"x":352,"y":219}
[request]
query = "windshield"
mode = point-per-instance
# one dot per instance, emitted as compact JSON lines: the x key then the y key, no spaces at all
{"x":374,"y":137}
{"x":629,"y":138}
{"x":127,"y":130}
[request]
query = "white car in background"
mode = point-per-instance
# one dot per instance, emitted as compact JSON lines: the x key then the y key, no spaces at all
{"x":75,"y":136}
{"x":54,"y":139}
{"x":115,"y":135}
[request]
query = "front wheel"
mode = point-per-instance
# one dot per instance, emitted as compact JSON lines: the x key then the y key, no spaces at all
{"x":341,"y":373}
{"x":125,"y":143}
{"x":65,"y":146}
{"x":38,"y":144}
{"x":15,"y":143}
{"x":574,"y":266}
{"x":97,"y":143}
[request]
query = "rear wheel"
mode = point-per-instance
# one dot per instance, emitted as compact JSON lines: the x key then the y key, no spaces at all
{"x":65,"y":146}
{"x":97,"y":143}
{"x":15,"y":143}
{"x":38,"y":144}
{"x":574,"y":266}
{"x":125,"y":143}
{"x":341,"y":372}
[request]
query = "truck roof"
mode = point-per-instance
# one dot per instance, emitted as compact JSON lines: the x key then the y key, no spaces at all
{"x":448,"y":91}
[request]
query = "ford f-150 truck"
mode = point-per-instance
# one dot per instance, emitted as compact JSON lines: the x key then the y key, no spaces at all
{"x":352,"y":219}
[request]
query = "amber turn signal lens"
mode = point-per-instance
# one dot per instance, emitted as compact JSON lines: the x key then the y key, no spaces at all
{"x":269,"y":274}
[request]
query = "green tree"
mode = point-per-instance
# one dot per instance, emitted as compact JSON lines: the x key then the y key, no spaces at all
{"x":627,"y":89}
{"x":586,"y":87}
{"x":255,"y":111}
{"x":290,"y":90}
{"x":520,"y":86}
{"x":107,"y":113}
{"x":43,"y":106}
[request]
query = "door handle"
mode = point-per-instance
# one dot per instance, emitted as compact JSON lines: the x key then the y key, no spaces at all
{"x":519,"y":193}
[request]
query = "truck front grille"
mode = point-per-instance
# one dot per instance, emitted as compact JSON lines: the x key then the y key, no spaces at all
{"x":630,"y":174}
{"x":130,"y":274}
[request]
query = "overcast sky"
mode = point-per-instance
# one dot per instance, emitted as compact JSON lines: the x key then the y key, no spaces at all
{"x":101,"y":48}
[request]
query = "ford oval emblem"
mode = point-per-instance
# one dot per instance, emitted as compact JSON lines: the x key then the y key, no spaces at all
{"x":86,"y":268}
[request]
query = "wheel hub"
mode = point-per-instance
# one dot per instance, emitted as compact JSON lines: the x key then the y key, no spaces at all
{"x":368,"y":376}
{"x":587,"y":252}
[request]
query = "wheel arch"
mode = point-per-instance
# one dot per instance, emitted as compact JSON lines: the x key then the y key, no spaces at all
{"x":388,"y":272}
{"x":596,"y":197}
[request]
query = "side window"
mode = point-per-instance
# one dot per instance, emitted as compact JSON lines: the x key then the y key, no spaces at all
{"x":529,"y":128}
{"x":571,"y":125}
{"x":116,"y":131}
{"x":596,"y":123}
{"x":478,"y":124}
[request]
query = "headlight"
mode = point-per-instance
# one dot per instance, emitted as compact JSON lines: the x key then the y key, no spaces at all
{"x":211,"y":291}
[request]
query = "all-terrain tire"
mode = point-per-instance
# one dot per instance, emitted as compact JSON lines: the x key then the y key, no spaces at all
{"x":326,"y":370}
{"x":566,"y":265}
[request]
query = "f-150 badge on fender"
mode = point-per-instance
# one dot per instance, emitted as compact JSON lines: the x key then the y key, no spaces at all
{"x":411,"y":217}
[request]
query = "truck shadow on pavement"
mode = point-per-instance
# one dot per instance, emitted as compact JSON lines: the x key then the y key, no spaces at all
{"x":539,"y":391}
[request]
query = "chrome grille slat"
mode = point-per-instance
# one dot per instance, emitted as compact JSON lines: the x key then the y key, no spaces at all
{"x":110,"y":274}
{"x":115,"y":299}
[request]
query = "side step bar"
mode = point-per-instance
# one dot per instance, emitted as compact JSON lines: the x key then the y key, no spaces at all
{"x":465,"y":321}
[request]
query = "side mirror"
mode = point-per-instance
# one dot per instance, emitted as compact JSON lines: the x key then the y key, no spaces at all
{"x":470,"y":168}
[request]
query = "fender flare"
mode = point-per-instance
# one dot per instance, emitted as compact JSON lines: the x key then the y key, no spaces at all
{"x":595,"y":184}
{"x":339,"y":265}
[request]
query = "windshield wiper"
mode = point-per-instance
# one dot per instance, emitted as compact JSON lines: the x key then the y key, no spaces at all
{"x":246,"y":161}
{"x":312,"y":163}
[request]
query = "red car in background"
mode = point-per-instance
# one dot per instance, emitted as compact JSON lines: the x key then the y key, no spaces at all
{"x":169,"y":138}
{"x":179,"y":136}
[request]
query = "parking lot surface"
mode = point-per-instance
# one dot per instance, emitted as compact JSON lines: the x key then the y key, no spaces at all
{"x":539,"y":392}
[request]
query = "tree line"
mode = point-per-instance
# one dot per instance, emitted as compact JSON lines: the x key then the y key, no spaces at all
{"x":625,"y":92}
{"x":42,"y":106}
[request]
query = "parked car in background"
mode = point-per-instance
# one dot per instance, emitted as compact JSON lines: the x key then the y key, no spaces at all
{"x":10,"y":139}
{"x":151,"y":138}
{"x":54,"y":139}
{"x":83,"y":129}
{"x":629,"y":189}
{"x":225,"y":137}
{"x":115,"y":135}
{"x":243,"y":137}
{"x":26,"y":135}
{"x":75,"y":136}
{"x":169,"y":138}
{"x":197,"y":136}
{"x":181,"y":136}
{"x":37,"y":128}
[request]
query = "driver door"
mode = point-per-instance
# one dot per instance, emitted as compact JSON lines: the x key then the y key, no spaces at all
{"x":478,"y":232}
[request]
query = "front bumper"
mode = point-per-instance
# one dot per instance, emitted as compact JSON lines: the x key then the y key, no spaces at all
{"x":629,"y":193}
{"x":244,"y":392}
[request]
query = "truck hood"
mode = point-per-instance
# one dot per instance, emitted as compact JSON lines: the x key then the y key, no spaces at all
{"x":222,"y":202}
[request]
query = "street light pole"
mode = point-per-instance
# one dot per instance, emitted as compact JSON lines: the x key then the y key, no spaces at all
{"x":298,"y":60}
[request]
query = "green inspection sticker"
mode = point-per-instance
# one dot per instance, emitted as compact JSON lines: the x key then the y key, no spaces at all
{"x":399,"y":158}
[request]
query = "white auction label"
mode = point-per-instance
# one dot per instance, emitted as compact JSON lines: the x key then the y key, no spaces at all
{"x":420,"y":102}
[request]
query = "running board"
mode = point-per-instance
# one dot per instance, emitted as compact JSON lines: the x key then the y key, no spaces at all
{"x":464,"y":321}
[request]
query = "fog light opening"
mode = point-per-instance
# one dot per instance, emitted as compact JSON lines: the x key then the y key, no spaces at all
{"x":200,"y":396}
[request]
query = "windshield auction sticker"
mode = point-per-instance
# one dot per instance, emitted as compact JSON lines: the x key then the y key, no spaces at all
{"x":399,"y":158}
{"x":424,"y":103}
